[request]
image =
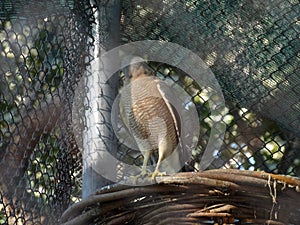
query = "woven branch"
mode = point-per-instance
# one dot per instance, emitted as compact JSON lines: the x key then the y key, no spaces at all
{"x":214,"y":196}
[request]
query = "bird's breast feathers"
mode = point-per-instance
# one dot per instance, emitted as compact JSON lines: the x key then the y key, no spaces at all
{"x":148,"y":115}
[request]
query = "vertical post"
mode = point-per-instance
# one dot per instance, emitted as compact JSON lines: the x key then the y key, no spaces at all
{"x":98,"y":136}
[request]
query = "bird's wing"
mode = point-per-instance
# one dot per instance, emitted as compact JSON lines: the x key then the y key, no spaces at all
{"x":168,"y":95}
{"x":176,"y":160}
{"x":126,"y":137}
{"x":123,"y":113}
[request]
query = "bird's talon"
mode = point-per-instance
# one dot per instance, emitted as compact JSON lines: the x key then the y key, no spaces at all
{"x":157,"y":174}
{"x":142,"y":175}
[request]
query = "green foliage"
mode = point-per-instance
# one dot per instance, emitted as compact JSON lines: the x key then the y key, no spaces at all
{"x":2,"y":218}
{"x":32,"y":74}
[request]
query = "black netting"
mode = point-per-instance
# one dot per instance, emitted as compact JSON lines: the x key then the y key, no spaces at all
{"x":47,"y":49}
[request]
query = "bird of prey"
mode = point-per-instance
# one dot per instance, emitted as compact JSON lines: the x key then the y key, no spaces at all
{"x":150,"y":118}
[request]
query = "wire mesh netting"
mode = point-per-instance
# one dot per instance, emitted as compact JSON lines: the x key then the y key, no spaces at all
{"x":252,"y":47}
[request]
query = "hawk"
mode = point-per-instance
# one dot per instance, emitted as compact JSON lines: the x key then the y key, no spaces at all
{"x":150,"y":117}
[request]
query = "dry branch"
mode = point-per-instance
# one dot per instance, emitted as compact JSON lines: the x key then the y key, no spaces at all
{"x":219,"y":196}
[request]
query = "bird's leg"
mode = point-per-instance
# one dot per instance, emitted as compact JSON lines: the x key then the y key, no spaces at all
{"x":164,"y":150}
{"x":161,"y":155}
{"x":145,"y":162}
{"x":156,"y":171}
{"x":144,"y":167}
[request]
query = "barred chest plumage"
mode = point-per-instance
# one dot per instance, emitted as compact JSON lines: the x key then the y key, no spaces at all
{"x":149,"y":118}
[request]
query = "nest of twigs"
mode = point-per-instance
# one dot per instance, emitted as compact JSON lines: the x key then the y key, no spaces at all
{"x":210,"y":197}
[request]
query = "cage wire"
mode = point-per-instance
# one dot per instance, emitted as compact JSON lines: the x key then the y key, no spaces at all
{"x":251,"y":46}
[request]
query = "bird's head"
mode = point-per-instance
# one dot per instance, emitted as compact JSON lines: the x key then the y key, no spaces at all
{"x":136,"y":67}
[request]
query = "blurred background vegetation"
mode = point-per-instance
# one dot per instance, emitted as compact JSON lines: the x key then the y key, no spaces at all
{"x":251,"y":46}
